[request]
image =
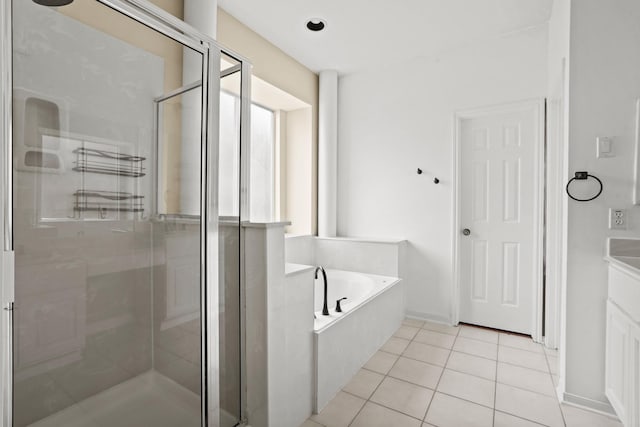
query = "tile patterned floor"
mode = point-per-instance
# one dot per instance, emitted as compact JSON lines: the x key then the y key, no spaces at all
{"x":432,"y":375}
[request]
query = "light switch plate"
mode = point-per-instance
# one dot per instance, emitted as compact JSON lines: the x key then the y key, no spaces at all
{"x":604,"y":146}
{"x":617,"y":219}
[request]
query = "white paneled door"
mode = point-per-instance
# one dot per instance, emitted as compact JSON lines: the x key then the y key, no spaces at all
{"x":498,"y":219}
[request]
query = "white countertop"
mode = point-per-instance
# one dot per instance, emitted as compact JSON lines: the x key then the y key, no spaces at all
{"x":630,"y":264}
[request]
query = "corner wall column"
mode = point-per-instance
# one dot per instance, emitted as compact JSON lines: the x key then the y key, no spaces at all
{"x":203,"y":16}
{"x":328,"y":154}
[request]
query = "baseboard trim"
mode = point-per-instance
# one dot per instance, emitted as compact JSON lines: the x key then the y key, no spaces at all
{"x":603,"y":408}
{"x":560,"y":390}
{"x":427,"y":317}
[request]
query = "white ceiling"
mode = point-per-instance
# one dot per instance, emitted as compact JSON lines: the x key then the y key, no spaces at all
{"x":364,"y":33}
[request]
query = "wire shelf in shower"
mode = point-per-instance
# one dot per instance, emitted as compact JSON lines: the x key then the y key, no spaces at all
{"x":108,"y":163}
{"x":107,"y":201}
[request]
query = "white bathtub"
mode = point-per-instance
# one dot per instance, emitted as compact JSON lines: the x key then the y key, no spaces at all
{"x":372,"y":312}
{"x":358,"y":288}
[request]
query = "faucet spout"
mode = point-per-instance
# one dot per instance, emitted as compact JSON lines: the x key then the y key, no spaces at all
{"x":325,"y":309}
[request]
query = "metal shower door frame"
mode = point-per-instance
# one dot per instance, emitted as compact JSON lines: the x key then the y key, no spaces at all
{"x":161,"y":21}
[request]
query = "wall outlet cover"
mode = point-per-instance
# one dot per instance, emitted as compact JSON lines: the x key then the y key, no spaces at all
{"x":617,"y":219}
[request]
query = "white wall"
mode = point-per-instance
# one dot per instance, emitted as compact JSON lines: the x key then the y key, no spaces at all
{"x":327,"y":153}
{"x":400,"y":118}
{"x":604,"y":83}
{"x":299,"y":156}
{"x":300,"y":250}
{"x":386,"y":258}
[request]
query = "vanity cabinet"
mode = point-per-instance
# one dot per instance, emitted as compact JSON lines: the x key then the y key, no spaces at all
{"x":634,"y":376}
{"x":622,"y":380}
{"x":618,"y":337}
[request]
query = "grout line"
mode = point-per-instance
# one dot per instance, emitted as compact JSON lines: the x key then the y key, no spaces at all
{"x":495,"y":385}
{"x":376,"y":372}
{"x":413,"y":358}
{"x":525,"y":367}
{"x":526,"y":389}
{"x":471,"y":375}
{"x":392,"y":366}
{"x":424,"y":419}
{"x":546,"y":357}
{"x":471,"y":354}
{"x":524,"y":349}
{"x":441,"y":331}
{"x":377,"y":387}
{"x":505,"y":345}
{"x":380,"y":404}
{"x":437,"y":346}
{"x":519,"y":417}
{"x":466,"y":400}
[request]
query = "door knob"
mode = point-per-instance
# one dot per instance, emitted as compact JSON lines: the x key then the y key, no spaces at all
{"x":466,"y":231}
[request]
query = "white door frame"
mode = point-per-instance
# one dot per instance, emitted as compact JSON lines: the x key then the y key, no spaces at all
{"x":538,"y":107}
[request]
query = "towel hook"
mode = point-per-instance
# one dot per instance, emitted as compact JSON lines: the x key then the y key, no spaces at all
{"x":435,"y":179}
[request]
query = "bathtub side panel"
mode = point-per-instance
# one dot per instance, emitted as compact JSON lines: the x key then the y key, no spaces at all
{"x":345,"y":346}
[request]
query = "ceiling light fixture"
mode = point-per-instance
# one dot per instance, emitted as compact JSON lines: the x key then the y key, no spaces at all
{"x":54,"y":3}
{"x":315,"y":24}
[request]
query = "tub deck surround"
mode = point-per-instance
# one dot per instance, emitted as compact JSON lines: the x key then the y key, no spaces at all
{"x":291,"y":269}
{"x":279,"y":335}
{"x":277,"y":224}
{"x":287,"y":351}
{"x":381,"y":240}
{"x":344,"y":342}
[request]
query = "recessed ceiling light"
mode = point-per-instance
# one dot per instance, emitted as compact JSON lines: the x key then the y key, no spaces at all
{"x":316,"y":24}
{"x":54,"y":3}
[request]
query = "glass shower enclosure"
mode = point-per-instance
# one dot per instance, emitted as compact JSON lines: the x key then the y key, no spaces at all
{"x":120,"y":281}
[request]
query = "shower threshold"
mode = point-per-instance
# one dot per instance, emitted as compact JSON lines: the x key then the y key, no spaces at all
{"x":150,"y":399}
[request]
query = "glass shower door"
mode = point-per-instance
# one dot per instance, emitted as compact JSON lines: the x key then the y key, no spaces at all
{"x":108,"y":314}
{"x":230,"y":242}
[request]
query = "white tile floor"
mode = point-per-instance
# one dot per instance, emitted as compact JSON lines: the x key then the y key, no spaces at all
{"x":443,"y":376}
